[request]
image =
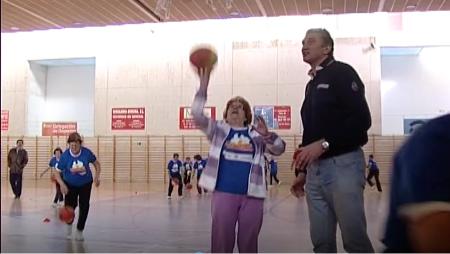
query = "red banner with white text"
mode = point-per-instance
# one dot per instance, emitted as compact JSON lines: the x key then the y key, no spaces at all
{"x":128,"y":119}
{"x":58,"y":128}
{"x":5,"y":120}
{"x":187,"y":120}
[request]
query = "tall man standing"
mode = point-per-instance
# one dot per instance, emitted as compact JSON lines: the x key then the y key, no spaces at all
{"x":335,"y":118}
{"x":17,"y":160}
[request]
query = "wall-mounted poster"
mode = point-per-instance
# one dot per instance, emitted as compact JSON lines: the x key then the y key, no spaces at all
{"x":5,"y":120}
{"x":128,"y":119}
{"x":276,"y":117}
{"x":58,"y":128}
{"x":187,"y":120}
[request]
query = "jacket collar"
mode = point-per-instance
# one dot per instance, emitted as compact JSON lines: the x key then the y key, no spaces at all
{"x":313,"y":72}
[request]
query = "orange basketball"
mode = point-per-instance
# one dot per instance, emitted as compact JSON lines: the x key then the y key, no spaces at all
{"x":429,"y":232}
{"x":188,"y":186}
{"x":66,"y":214}
{"x":203,"y":57}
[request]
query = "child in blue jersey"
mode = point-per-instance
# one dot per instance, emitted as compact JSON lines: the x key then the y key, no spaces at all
{"x":235,"y":170}
{"x":420,"y":192}
{"x":373,"y":172}
{"x":52,"y":165}
{"x":174,"y":166}
{"x":199,"y":165}
{"x":77,"y":180}
{"x":187,"y":165}
{"x":273,"y":164}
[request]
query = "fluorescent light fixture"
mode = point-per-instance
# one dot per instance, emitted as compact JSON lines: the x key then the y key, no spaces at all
{"x":400,"y":51}
{"x":66,"y":61}
{"x":327,"y":11}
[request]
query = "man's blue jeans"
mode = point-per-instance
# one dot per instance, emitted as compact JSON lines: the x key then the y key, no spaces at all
{"x":335,"y":194}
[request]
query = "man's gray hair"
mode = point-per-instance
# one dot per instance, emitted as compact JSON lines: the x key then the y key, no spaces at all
{"x":326,"y":38}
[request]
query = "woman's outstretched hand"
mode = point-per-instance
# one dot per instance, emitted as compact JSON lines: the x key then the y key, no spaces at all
{"x":261,"y":127}
{"x":204,"y":74}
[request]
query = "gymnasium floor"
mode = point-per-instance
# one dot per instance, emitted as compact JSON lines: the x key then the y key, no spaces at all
{"x":128,"y":217}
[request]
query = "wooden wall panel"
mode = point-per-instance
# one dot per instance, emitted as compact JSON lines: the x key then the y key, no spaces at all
{"x":123,"y":159}
{"x":157,"y":164}
{"x":139,"y":159}
{"x":191,"y":146}
{"x":145,"y":158}
{"x":106,"y":157}
{"x":285,"y":160}
{"x":44,"y":154}
{"x":4,"y":156}
{"x":30,"y":144}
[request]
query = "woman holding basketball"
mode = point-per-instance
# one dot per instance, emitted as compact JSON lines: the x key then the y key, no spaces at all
{"x":77,"y":180}
{"x":235,"y":169}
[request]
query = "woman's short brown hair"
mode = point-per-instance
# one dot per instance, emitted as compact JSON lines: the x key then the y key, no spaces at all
{"x":57,"y":149}
{"x":246,"y":106}
{"x":74,"y":137}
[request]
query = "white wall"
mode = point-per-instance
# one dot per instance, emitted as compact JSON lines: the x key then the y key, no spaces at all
{"x":61,"y":94}
{"x":147,"y":65}
{"x":414,"y":87}
{"x":70,"y":96}
{"x":36,"y":99}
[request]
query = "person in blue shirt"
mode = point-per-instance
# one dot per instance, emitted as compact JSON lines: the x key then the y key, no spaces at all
{"x":273,"y":170}
{"x":52,"y":165}
{"x":187,"y":166}
{"x":420,"y":175}
{"x":76,"y":183}
{"x":373,"y":172}
{"x":174,"y":166}
{"x":199,"y":165}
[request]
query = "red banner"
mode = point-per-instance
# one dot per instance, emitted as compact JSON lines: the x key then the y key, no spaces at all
{"x":187,"y":120}
{"x":276,"y":117}
{"x":58,"y":128}
{"x":5,"y":120}
{"x":282,"y":115}
{"x":128,"y":119}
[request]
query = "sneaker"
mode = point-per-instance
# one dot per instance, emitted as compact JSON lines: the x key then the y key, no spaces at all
{"x":169,"y":197}
{"x":69,"y":231}
{"x":54,"y":205}
{"x":180,"y":197}
{"x":79,"y":235}
{"x":279,"y":182}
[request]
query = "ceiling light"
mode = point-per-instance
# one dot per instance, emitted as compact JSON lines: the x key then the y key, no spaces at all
{"x":234,"y":13}
{"x":327,"y":11}
{"x":14,"y":28}
{"x":411,"y":7}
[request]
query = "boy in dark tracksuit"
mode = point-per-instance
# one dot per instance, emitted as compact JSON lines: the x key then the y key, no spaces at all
{"x":273,"y":171}
{"x":373,"y":171}
{"x":199,"y":165}
{"x":174,"y":168}
{"x":187,"y":170}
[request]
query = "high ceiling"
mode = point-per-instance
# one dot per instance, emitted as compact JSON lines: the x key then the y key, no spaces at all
{"x":28,"y":15}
